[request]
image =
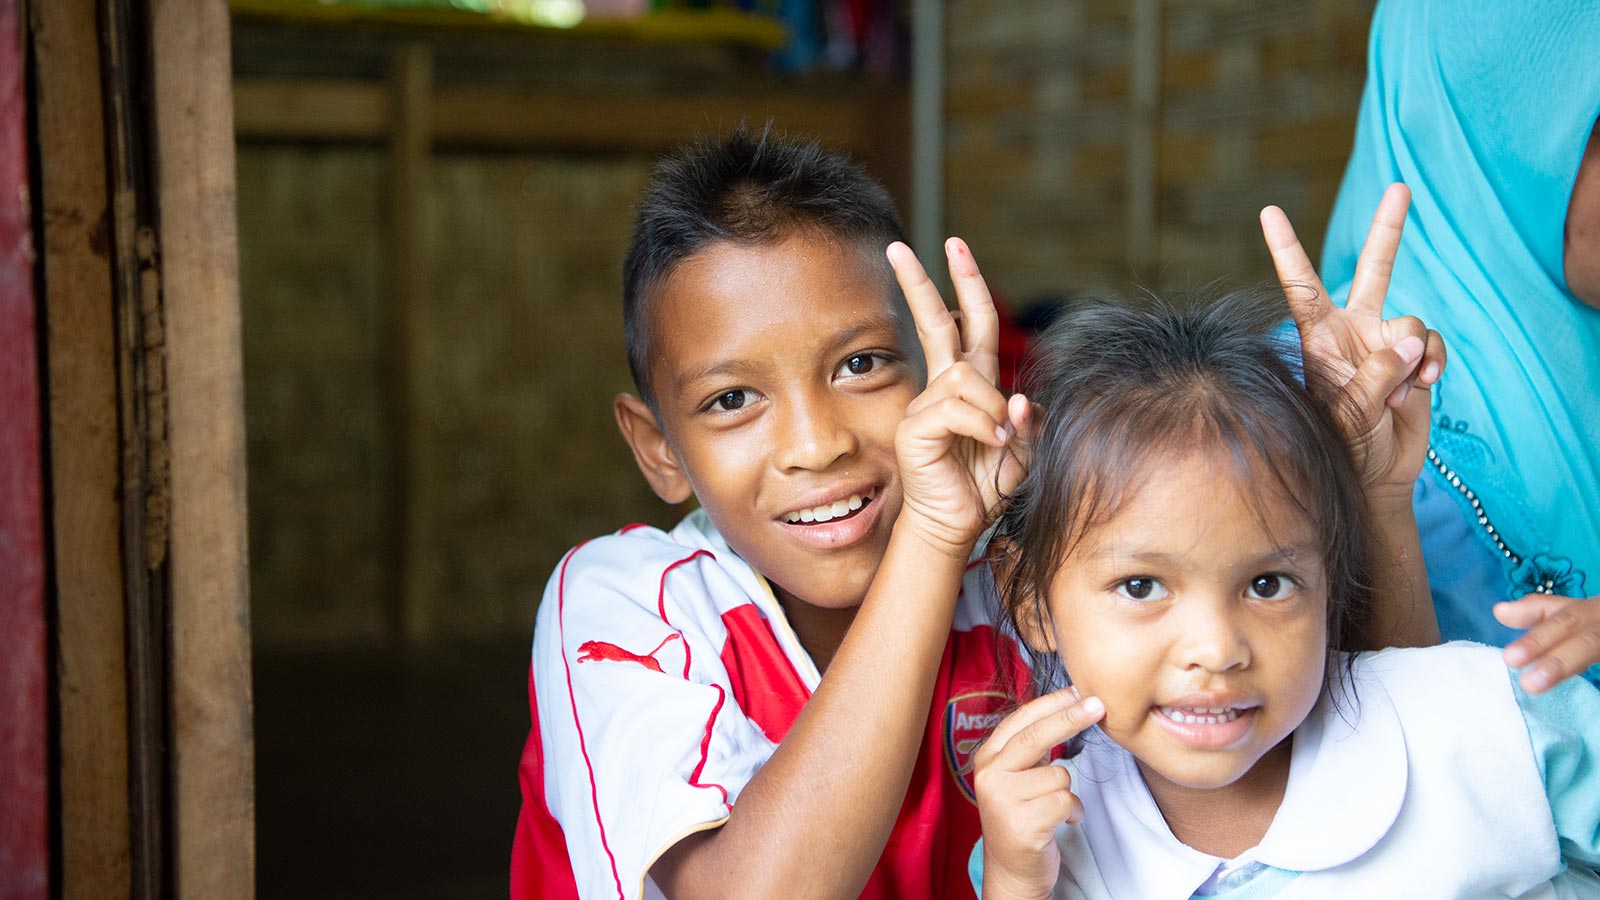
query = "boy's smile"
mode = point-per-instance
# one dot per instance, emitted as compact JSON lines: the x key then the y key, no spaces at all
{"x":782,"y":373}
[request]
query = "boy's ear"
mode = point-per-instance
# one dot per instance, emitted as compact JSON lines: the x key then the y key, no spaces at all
{"x":1028,"y":612}
{"x":651,"y":451}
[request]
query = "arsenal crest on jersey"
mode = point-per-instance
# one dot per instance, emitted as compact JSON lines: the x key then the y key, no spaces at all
{"x":968,"y":719}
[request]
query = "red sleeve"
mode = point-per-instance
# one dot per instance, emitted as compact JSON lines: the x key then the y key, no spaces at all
{"x":539,"y":864}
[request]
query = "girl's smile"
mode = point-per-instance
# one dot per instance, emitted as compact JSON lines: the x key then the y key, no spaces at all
{"x":1206,"y":727}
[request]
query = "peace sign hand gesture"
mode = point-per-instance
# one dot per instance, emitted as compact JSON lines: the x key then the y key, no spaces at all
{"x":957,"y":448}
{"x":1383,"y":368}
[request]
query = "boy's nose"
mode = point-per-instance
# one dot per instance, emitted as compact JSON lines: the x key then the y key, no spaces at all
{"x":813,"y":436}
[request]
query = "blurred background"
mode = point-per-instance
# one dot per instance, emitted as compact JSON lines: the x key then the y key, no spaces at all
{"x":434,"y":198}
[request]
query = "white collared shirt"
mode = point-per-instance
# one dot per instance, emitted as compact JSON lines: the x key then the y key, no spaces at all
{"x":1420,"y":782}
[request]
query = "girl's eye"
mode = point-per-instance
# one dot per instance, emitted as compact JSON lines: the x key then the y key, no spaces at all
{"x":1141,"y":588}
{"x":727,"y":401}
{"x":1271,"y":587}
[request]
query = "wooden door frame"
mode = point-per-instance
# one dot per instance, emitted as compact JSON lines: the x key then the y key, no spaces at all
{"x":139,"y":305}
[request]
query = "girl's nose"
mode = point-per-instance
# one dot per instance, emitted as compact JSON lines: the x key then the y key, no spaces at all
{"x":1211,"y":639}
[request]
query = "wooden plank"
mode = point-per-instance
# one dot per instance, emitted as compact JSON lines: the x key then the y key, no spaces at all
{"x":642,"y":123}
{"x":212,"y":764}
{"x":84,"y":454}
{"x":283,"y":109}
{"x":304,"y":109}
{"x":24,"y":701}
{"x":661,"y":26}
{"x":1144,"y":125}
{"x":415,"y":528}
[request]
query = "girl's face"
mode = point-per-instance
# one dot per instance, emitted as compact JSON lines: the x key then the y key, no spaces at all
{"x":1198,"y":614}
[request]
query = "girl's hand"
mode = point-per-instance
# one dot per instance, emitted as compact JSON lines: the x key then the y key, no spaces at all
{"x":1022,"y":798}
{"x":957,"y":447}
{"x":1563,"y":640}
{"x":1384,"y":368}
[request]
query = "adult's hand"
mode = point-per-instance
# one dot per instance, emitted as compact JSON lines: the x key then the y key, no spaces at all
{"x":1563,"y":639}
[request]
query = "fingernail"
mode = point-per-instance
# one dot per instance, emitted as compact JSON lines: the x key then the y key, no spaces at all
{"x":1430,"y":373}
{"x":1540,"y":678}
{"x":1093,"y":706}
{"x":1516,"y":657}
{"x":1405,"y":390}
{"x":1074,"y":691}
{"x":1000,"y":433}
{"x":1409,"y":348}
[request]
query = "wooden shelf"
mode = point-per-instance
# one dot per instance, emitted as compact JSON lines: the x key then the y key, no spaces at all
{"x":348,"y":110}
{"x":716,"y":26}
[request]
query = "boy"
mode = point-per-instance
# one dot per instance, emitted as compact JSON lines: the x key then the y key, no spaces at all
{"x":685,"y":742}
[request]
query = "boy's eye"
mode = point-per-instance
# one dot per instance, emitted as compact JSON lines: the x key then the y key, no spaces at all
{"x":1142,"y":588}
{"x":860,"y":364}
{"x":1271,"y":587}
{"x":728,"y":401}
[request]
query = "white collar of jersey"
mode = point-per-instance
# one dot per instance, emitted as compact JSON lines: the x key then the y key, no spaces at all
{"x":697,"y":530}
{"x":1346,"y":785}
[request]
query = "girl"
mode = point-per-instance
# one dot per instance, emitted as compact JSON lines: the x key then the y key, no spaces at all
{"x":1187,"y":552}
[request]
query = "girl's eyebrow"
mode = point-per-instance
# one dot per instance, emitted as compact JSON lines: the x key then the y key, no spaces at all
{"x":1290,"y":553}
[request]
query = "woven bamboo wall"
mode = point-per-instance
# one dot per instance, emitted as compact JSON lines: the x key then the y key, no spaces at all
{"x":522,"y":346}
{"x":312,"y":270}
{"x":1257,"y":106}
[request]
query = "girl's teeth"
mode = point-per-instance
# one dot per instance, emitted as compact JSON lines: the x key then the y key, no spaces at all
{"x":1200,"y":716}
{"x":827,"y":512}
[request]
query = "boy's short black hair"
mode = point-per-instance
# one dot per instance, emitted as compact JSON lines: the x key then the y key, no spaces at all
{"x":750,"y":189}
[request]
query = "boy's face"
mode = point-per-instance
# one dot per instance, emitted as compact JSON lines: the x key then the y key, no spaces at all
{"x":781,"y":374}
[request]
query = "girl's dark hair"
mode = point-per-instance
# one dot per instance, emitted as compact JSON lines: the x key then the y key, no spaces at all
{"x":747,"y":188}
{"x":1120,"y":386}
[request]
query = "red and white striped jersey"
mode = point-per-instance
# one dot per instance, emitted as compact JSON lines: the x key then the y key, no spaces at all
{"x":664,"y":675}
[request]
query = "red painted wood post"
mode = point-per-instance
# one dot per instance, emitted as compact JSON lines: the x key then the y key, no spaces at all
{"x":24,"y":711}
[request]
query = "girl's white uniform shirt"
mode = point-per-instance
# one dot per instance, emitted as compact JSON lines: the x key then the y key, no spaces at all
{"x":1421,"y":782}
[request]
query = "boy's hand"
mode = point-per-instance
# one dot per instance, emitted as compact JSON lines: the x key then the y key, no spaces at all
{"x":1384,"y":368}
{"x":957,"y":450}
{"x":1563,"y":640}
{"x":1022,"y":798}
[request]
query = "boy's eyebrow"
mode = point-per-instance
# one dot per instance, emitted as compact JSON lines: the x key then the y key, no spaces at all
{"x":726,"y":367}
{"x":876,"y":324}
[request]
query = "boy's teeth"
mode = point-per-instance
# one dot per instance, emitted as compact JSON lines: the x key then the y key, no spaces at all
{"x":1200,"y":716}
{"x":829,"y":511}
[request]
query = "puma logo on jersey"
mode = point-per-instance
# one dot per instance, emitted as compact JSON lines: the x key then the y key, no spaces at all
{"x":604,"y":651}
